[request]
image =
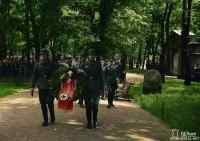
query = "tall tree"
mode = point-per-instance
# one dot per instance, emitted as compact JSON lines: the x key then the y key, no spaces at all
{"x":105,"y":10}
{"x":35,"y":29}
{"x":4,"y":19}
{"x":164,"y":37}
{"x":3,"y":48}
{"x":185,"y":38}
{"x":27,"y":29}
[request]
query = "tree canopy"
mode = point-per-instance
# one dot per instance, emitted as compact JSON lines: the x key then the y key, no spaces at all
{"x":138,"y":29}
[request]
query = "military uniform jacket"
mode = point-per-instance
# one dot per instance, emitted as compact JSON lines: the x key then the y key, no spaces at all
{"x":42,"y":75}
{"x":94,"y":78}
{"x":111,"y":76}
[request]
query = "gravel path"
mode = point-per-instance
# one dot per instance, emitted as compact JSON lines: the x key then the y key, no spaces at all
{"x":20,"y":120}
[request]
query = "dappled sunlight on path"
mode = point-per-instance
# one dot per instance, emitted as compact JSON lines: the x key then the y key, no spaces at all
{"x":20,"y":119}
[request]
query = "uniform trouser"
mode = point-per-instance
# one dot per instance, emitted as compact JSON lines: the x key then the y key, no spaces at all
{"x":80,"y":93}
{"x":91,"y":103}
{"x":111,"y":94}
{"x":81,"y":99}
{"x":103,"y":92}
{"x":47,"y":103}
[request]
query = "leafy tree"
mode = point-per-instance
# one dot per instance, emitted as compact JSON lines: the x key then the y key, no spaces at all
{"x":186,"y":56}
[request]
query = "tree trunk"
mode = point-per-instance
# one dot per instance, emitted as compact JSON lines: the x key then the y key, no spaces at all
{"x":4,"y":28}
{"x":130,"y":62}
{"x":35,"y":32}
{"x":139,"y":59}
{"x":162,"y":40}
{"x":154,"y":52}
{"x":27,"y":29}
{"x":123,"y":60}
{"x":144,"y":58}
{"x":3,"y":48}
{"x":167,"y":32}
{"x":52,"y":46}
{"x":186,"y":56}
{"x":105,"y":10}
{"x":162,"y":55}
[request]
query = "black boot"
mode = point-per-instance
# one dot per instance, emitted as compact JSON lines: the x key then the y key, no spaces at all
{"x":94,"y":123}
{"x":52,"y":113}
{"x":89,"y":117}
{"x":95,"y":112}
{"x":89,"y":125}
{"x":45,"y":114}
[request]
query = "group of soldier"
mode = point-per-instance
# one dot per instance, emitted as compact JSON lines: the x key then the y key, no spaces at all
{"x":95,"y":78}
{"x":16,"y":67}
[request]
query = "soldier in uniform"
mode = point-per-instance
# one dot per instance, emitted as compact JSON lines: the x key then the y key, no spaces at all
{"x":111,"y":76}
{"x":81,"y":83}
{"x":94,"y":87}
{"x":103,"y":66}
{"x":42,"y":79}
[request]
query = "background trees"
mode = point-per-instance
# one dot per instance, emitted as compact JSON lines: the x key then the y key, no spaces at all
{"x":139,"y":30}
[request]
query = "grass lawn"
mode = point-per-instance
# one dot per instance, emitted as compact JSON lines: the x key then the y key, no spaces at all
{"x":178,"y":105}
{"x":10,"y":88}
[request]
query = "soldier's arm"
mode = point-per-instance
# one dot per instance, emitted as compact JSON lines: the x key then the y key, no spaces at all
{"x":100,"y":75}
{"x":34,"y":78}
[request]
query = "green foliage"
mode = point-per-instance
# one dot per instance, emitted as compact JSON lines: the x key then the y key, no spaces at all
{"x":196,"y":19}
{"x":178,"y":105}
{"x":129,"y":27}
{"x":58,"y":77}
{"x":67,"y":27}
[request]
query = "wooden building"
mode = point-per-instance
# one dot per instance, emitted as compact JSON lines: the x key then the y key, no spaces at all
{"x":195,"y":57}
{"x":174,"y":57}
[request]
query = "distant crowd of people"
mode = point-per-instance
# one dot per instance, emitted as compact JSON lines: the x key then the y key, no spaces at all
{"x":16,"y":67}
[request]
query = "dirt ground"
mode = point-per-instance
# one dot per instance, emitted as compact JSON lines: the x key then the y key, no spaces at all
{"x":134,"y":78}
{"x":20,"y":120}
